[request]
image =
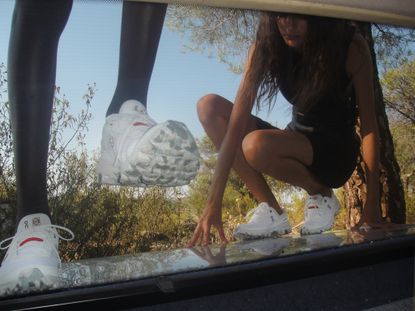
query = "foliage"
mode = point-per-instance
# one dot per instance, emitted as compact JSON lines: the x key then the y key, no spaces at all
{"x":399,"y":90}
{"x":399,"y":87}
{"x":404,"y":141}
{"x":227,"y":34}
{"x":222,"y":33}
{"x":7,"y":180}
{"x":393,"y":44}
{"x":106,"y":220}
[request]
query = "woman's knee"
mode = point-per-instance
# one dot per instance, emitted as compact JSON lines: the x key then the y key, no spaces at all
{"x":208,"y":107}
{"x":254,"y":148}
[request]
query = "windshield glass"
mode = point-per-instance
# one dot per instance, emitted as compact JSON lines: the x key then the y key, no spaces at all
{"x":130,"y":225}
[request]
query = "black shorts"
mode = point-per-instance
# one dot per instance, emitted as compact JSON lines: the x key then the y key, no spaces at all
{"x":335,"y":154}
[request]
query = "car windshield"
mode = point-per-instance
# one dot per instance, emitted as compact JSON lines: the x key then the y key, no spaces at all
{"x":128,"y":230}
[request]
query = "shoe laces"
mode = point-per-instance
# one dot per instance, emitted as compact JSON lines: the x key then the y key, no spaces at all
{"x":46,"y":228}
{"x":316,"y":201}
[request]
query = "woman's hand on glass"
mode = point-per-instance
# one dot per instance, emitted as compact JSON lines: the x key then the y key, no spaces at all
{"x":371,"y":219}
{"x":211,"y":217}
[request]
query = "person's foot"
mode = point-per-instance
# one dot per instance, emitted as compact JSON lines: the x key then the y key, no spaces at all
{"x":136,"y":151}
{"x":319,"y":213}
{"x":263,"y":221}
{"x":32,"y":261}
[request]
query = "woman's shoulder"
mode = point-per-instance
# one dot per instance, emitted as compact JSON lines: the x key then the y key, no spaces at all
{"x":358,"y":54}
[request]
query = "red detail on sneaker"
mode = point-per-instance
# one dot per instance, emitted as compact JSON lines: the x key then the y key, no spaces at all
{"x":312,"y":206}
{"x":30,"y":240}
{"x":139,"y":124}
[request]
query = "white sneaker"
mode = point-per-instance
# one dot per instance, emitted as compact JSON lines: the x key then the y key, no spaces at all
{"x":264,"y":222}
{"x":138,"y":152}
{"x":32,"y":261}
{"x":319,"y":213}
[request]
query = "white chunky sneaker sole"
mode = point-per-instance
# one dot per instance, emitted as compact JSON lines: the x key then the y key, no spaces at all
{"x":167,"y":156}
{"x":260,"y":233}
{"x":29,"y":280}
{"x":321,"y":229}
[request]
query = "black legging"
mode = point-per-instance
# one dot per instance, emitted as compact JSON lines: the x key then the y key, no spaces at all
{"x":140,"y":35}
{"x":36,"y":28}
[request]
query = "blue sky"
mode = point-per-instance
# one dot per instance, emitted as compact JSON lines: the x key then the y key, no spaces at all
{"x":88,"y":53}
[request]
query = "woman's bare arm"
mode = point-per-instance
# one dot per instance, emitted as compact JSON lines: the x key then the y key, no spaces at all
{"x":212,"y":214}
{"x":359,"y":67}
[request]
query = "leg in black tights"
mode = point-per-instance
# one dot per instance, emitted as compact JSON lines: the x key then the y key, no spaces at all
{"x":124,"y":158}
{"x":32,"y":256}
{"x":36,"y":28}
{"x":140,"y":35}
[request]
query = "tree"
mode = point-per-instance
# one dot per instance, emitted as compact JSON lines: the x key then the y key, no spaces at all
{"x":224,"y":34}
{"x":399,"y":86}
{"x":392,"y":198}
{"x":208,"y":29}
{"x":399,"y":89}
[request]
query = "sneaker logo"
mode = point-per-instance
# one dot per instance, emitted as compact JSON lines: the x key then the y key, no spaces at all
{"x":139,"y":124}
{"x":26,"y":224}
{"x":312,"y":206}
{"x":36,"y":221}
{"x":31,"y":239}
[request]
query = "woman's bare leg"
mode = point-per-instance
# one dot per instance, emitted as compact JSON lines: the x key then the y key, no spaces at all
{"x":284,"y":155}
{"x":278,"y":153}
{"x":36,"y":28}
{"x":214,"y":112}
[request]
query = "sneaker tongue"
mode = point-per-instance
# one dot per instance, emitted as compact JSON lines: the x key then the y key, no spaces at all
{"x":33,"y":220}
{"x":132,"y":106}
{"x":262,"y":209}
{"x":263,"y":205}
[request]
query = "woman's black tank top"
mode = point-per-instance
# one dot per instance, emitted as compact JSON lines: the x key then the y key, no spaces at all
{"x":334,"y":111}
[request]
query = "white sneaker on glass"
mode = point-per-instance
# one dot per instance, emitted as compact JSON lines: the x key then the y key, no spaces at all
{"x":263,"y":221}
{"x":137,"y":151}
{"x":319,"y":213}
{"x":32,"y":261}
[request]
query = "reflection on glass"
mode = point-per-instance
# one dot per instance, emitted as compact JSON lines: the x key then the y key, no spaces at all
{"x":155,"y":223}
{"x":205,"y":253}
{"x":266,"y":247}
{"x":95,"y":271}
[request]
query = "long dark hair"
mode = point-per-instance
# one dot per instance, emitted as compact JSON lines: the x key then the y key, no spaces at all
{"x":313,"y":70}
